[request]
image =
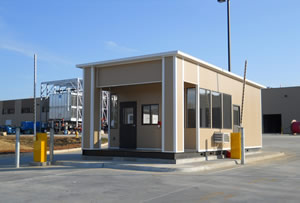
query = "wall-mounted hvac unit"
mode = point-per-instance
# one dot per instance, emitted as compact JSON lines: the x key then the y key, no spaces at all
{"x":221,"y":137}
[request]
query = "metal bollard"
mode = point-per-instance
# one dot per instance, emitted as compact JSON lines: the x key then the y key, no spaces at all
{"x":51,"y":144}
{"x":243,"y":146}
{"x":17,"y":152}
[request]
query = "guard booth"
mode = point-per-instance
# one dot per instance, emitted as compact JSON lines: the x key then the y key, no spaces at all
{"x":166,"y":105}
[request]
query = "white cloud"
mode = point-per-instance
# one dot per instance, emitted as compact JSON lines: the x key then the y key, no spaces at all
{"x":9,"y":43}
{"x":16,"y":49}
{"x":113,"y":46}
{"x":29,"y":51}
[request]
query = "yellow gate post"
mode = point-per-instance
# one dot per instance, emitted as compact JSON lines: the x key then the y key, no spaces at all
{"x":40,"y":148}
{"x":236,"y":150}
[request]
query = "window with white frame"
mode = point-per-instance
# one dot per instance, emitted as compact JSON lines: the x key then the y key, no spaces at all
{"x":150,"y":114}
{"x":205,"y":121}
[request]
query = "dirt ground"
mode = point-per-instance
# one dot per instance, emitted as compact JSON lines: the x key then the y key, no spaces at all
{"x":7,"y":143}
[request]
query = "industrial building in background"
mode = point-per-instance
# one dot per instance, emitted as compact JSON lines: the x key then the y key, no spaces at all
{"x":280,"y":106}
{"x":60,"y":102}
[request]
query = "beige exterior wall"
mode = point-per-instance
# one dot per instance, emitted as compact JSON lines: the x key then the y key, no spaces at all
{"x":148,"y":136}
{"x":97,"y":114}
{"x":190,"y":72}
{"x":252,"y":107}
{"x":135,"y":73}
{"x":214,"y":81}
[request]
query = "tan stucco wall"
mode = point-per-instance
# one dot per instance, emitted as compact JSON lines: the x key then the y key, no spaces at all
{"x":190,"y":72}
{"x":148,"y":136}
{"x":252,"y":106}
{"x":143,"y":72}
{"x":214,"y":81}
{"x":97,"y":114}
{"x":168,"y":104}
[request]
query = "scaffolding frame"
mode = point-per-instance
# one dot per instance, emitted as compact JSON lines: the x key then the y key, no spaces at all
{"x":73,"y":86}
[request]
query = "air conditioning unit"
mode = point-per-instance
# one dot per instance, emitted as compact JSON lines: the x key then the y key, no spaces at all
{"x":221,"y":137}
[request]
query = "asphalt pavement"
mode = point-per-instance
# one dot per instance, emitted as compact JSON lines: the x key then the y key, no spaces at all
{"x":276,"y":180}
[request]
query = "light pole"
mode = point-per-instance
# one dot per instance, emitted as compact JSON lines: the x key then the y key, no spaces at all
{"x":228,"y":31}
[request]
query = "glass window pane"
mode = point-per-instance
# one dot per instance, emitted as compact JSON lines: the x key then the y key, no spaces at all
{"x":236,"y":115}
{"x":146,"y":114}
{"x":227,"y":119}
{"x":114,"y":111}
{"x":128,"y":115}
{"x":154,"y":114}
{"x":204,"y":108}
{"x":216,"y":110}
{"x":191,"y":108}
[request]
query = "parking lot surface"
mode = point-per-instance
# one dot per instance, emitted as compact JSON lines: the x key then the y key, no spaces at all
{"x":269,"y":181}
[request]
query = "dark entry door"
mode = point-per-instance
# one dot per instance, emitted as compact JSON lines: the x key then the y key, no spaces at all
{"x":128,"y":125}
{"x":272,"y":123}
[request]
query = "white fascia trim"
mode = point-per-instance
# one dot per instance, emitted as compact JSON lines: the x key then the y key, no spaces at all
{"x":128,"y":84}
{"x":92,"y":108}
{"x":82,"y":122}
{"x":175,"y":104}
{"x":182,"y":108}
{"x":163,"y":106}
{"x":147,"y":57}
{"x":197,"y":112}
{"x":253,"y":147}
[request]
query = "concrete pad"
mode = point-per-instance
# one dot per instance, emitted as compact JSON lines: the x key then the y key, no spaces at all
{"x":159,"y":167}
{"x":48,"y":163}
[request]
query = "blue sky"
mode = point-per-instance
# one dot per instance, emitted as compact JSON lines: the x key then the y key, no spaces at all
{"x":68,"y":32}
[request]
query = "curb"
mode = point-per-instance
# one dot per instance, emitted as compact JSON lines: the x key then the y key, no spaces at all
{"x":55,"y":152}
{"x":65,"y":150}
{"x":187,"y":169}
{"x":232,"y":163}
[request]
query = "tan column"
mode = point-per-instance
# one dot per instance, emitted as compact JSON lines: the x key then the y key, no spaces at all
{"x":168,"y":107}
{"x":180,"y":104}
{"x":86,"y":107}
{"x":96,"y":118}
